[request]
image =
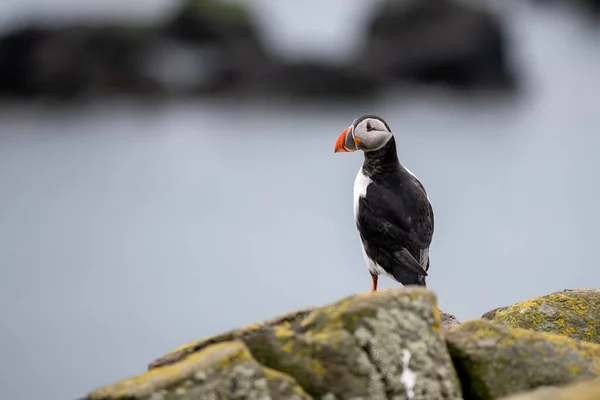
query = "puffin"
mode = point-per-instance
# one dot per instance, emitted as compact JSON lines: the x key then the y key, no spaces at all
{"x":393,"y":215}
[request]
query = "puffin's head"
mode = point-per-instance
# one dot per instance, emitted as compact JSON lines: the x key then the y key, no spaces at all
{"x":367,"y":133}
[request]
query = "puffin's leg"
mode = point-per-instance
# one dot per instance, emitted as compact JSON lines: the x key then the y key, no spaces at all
{"x":374,"y":284}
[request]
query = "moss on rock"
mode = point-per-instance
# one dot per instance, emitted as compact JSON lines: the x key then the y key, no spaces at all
{"x":224,"y":370}
{"x":494,"y":361}
{"x":388,"y":344}
{"x":589,"y":390}
{"x":573,"y":313}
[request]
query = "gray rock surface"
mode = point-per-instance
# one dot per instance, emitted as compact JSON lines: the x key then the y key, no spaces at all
{"x":493,"y":361}
{"x":448,"y":320}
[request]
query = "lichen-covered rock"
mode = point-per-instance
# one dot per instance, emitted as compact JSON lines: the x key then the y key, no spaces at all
{"x":589,"y":390}
{"x":221,"y":371}
{"x":494,"y":361}
{"x":385,"y":345}
{"x":573,"y":313}
{"x":448,"y":320}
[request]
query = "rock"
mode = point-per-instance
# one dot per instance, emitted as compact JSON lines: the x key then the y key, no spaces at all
{"x":589,"y":390}
{"x":72,"y":61}
{"x":242,"y":65}
{"x":494,"y":361}
{"x":224,"y":370}
{"x":236,"y":58}
{"x":211,"y":47}
{"x":211,"y":21}
{"x":592,"y":6}
{"x":207,"y":46}
{"x":388,"y":344}
{"x":573,"y":313}
{"x":448,"y":321}
{"x":453,"y":42}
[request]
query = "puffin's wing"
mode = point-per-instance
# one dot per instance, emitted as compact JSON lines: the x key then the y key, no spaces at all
{"x":407,"y":221}
{"x":384,"y":220}
{"x":385,"y":237}
{"x":407,"y":260}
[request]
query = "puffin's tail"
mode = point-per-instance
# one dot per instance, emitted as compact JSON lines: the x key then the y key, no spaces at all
{"x":407,"y":270}
{"x":407,"y":277}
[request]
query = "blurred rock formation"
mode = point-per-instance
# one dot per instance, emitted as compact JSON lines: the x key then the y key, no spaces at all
{"x":211,"y":47}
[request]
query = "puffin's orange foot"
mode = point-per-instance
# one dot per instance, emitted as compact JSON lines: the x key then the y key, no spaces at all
{"x":365,"y":293}
{"x":373,"y":286}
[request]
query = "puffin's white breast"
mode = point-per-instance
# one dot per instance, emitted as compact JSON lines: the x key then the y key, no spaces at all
{"x":360,"y":189}
{"x":361,"y":183}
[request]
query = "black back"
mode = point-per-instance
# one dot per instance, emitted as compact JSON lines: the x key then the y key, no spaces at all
{"x":394,"y":215}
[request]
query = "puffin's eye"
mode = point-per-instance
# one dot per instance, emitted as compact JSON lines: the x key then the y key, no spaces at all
{"x":369,"y":127}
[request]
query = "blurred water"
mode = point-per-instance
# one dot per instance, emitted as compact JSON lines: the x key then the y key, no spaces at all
{"x":128,"y":230}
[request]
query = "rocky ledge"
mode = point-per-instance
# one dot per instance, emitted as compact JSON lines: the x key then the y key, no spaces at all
{"x":392,"y":344}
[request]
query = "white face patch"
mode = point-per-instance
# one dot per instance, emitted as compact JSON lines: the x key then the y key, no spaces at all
{"x":372,"y":133}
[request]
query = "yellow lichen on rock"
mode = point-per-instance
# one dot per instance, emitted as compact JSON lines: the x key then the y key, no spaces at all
{"x":495,"y":361}
{"x":588,"y":390}
{"x":161,"y":378}
{"x":437,"y":322}
{"x":222,"y":370}
{"x":574,"y":313}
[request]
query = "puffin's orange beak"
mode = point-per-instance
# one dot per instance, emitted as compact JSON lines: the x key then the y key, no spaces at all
{"x":345,"y":142}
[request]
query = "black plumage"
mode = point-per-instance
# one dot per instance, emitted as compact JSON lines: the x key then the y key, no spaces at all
{"x":395,"y":217}
{"x":393,"y":214}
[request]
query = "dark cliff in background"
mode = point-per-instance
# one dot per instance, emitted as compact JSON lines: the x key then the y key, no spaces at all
{"x":210,"y":47}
